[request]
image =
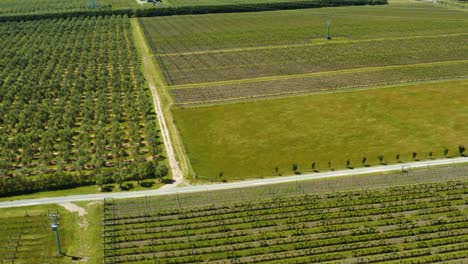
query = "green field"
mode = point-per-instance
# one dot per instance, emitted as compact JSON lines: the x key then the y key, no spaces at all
{"x":26,"y":235}
{"x":405,"y":224}
{"x":231,"y":58}
{"x":179,"y":34}
{"x":75,"y":109}
{"x":240,"y":56}
{"x":250,"y":139}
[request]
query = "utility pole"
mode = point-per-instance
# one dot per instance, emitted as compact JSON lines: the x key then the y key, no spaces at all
{"x":328,"y":28}
{"x":54,"y":217}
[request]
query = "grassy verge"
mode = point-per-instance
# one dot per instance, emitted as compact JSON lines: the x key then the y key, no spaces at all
{"x":248,"y":140}
{"x":80,"y":236}
{"x":76,"y":191}
{"x":154,"y":75}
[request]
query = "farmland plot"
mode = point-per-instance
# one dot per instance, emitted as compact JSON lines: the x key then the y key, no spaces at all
{"x":319,"y":82}
{"x":226,"y":57}
{"x":27,"y":239}
{"x":252,"y":139}
{"x":423,"y":223}
{"x":231,"y":58}
{"x":74,"y":108}
{"x":221,"y":66}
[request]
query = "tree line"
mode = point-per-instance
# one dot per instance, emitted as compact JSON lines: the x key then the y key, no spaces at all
{"x":195,"y":9}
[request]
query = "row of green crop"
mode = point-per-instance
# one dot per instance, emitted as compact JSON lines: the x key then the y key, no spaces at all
{"x":274,"y":219}
{"x":294,"y":232}
{"x":145,"y":222}
{"x":304,"y":241}
{"x":150,"y":207}
{"x":356,"y":248}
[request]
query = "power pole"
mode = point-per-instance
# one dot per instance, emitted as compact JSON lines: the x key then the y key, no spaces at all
{"x":54,"y":217}
{"x":328,"y":28}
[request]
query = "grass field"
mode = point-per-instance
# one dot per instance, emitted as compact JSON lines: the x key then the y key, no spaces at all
{"x":406,"y":224}
{"x":213,"y":58}
{"x":250,"y":139}
{"x":27,"y":237}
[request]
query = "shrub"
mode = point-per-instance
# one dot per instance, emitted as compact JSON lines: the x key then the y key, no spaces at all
{"x":461,"y":150}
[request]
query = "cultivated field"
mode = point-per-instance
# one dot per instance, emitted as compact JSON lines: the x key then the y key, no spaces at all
{"x":248,"y":55}
{"x":219,"y":58}
{"x":74,"y":106}
{"x":26,"y":237}
{"x":22,"y":237}
{"x":406,"y":224}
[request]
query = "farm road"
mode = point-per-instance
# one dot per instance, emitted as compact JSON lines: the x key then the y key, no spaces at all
{"x":233,"y":185}
{"x":177,"y":175}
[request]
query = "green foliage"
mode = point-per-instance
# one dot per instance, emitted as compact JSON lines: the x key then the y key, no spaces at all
{"x":18,"y":7}
{"x":18,"y":10}
{"x":294,"y":167}
{"x":381,"y":158}
{"x":162,"y":171}
{"x":49,"y":182}
{"x":461,"y":150}
{"x":73,"y":104}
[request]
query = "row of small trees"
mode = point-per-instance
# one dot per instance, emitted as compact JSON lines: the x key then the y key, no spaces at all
{"x":381,"y":158}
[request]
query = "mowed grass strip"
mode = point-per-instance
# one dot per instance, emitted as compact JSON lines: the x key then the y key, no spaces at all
{"x":247,"y":140}
{"x":251,"y":89}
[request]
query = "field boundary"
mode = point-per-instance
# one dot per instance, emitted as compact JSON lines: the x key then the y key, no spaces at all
{"x":180,"y":165}
{"x":241,"y":184}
